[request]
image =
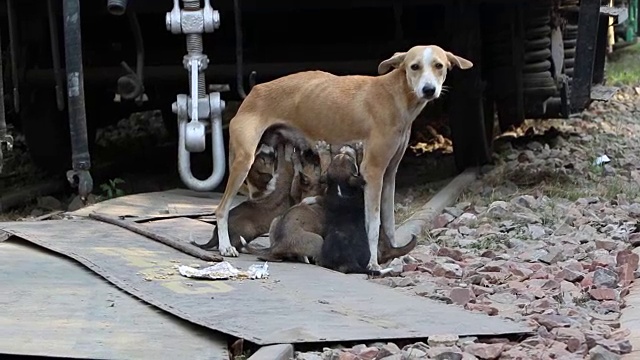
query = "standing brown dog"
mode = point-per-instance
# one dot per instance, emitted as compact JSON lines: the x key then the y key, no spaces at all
{"x":338,"y":109}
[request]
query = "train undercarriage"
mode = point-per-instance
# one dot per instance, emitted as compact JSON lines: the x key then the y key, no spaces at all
{"x":70,"y":67}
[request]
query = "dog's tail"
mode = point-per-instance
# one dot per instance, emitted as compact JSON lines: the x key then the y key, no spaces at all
{"x":213,"y":242}
{"x":389,"y":252}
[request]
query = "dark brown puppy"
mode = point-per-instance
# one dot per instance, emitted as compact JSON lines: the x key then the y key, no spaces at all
{"x":345,"y":247}
{"x":252,"y":218}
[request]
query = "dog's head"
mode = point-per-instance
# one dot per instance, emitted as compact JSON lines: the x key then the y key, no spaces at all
{"x":344,"y":168}
{"x":425,"y":67}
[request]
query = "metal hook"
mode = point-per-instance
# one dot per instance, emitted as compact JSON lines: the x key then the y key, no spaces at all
{"x":239,"y":55}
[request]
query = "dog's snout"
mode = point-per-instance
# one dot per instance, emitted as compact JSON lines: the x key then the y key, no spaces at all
{"x":428,"y":91}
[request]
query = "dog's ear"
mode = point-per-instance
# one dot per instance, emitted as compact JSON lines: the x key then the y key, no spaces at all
{"x":357,"y":181}
{"x":455,"y":60}
{"x":393,"y":61}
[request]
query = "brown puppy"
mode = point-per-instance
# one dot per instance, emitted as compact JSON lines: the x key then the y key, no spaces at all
{"x":296,"y":235}
{"x":261,"y":179}
{"x":252,"y":218}
{"x":262,"y":176}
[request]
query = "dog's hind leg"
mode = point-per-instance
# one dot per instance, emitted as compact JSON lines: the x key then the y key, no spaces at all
{"x":245,"y":132}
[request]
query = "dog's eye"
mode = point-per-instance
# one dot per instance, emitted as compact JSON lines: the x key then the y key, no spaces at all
{"x":415,"y":67}
{"x":439,"y":66}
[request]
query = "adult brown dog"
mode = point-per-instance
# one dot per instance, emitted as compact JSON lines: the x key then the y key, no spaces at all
{"x":338,"y":109}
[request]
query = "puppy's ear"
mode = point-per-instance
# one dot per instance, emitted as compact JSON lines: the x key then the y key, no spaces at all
{"x":392,"y":62}
{"x":455,"y":60}
{"x":357,"y":181}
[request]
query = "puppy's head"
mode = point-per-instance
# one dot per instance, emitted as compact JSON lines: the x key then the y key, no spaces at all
{"x":310,"y":178}
{"x":261,"y":178}
{"x":425,"y":68}
{"x":344,"y":168}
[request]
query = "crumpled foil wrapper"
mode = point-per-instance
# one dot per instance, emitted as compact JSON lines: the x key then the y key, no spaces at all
{"x":224,"y":271}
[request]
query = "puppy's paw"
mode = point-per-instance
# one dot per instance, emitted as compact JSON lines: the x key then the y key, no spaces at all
{"x":228,"y":251}
{"x":309,"y":200}
{"x":374,"y":266}
{"x":358,"y":146}
{"x":322,"y":147}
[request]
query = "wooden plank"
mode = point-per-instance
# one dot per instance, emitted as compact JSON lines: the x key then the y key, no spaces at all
{"x":55,"y":307}
{"x":298,"y":303}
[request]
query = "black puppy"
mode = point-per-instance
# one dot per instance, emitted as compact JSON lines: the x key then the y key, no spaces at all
{"x":345,"y":247}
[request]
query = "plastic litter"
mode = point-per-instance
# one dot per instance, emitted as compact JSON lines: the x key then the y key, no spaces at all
{"x":225,"y":271}
{"x":603,"y":159}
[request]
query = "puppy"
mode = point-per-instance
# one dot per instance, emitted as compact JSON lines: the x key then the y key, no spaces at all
{"x":297,"y":234}
{"x":262,"y":176}
{"x":261,"y":180}
{"x":252,"y":218}
{"x":345,"y":247}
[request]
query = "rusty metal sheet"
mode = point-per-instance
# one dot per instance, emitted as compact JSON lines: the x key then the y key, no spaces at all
{"x":51,"y":306}
{"x":158,"y":204}
{"x":299,"y":303}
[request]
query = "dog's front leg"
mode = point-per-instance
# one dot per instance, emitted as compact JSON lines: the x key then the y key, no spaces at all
{"x":372,"y":169}
{"x":387,"y":205}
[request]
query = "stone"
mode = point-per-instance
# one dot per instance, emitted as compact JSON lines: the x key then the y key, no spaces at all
{"x":369,"y":353}
{"x":616,"y":346}
{"x":572,"y":337}
{"x":600,"y":353}
{"x":605,"y":278}
{"x":442,"y":220}
{"x":345,"y":355}
{"x":393,"y":357}
{"x":485,"y":351}
{"x":489,"y":310}
{"x":571,"y":275}
{"x":498,"y":209}
{"x":444,"y":353}
{"x":451,"y":271}
{"x":553,"y":321}
{"x":388,"y":349}
{"x":413,"y":353}
{"x":553,"y":255}
{"x":453,"y":211}
{"x":606,"y":244}
{"x":450,"y":253}
{"x":526,"y":201}
{"x":466,"y":219}
{"x":461,"y":296}
{"x":536,"y":231}
{"x":442,"y":340}
{"x":603,"y":294}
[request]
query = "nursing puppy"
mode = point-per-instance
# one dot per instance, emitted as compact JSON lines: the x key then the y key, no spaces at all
{"x":345,"y":247}
{"x":261,"y":179}
{"x":252,"y":218}
{"x":297,"y":234}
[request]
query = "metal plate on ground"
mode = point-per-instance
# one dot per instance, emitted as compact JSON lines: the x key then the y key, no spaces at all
{"x":52,"y":306}
{"x":298,"y":303}
{"x":161,"y":203}
{"x":603,"y":93}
